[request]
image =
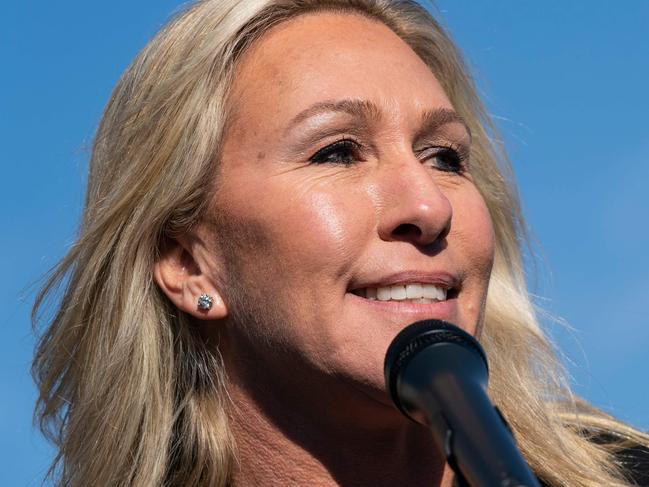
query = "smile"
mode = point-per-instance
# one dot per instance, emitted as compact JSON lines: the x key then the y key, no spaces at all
{"x":420,"y":293}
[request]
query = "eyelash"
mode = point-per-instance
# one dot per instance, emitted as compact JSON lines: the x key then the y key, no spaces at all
{"x":351,"y":152}
{"x":350,"y":147}
{"x":459,"y":157}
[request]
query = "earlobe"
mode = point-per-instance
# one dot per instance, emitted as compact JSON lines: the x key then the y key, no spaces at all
{"x":193,"y":304}
{"x":180,"y":277}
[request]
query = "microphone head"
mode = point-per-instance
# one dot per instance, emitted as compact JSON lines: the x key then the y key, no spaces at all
{"x":416,"y":337}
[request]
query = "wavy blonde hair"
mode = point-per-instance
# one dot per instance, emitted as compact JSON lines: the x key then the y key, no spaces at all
{"x":128,"y":393}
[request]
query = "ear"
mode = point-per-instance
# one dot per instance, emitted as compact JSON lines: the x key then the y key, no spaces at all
{"x":179,"y":275}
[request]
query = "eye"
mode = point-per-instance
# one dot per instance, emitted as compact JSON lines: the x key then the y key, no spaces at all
{"x":446,"y":158}
{"x":345,"y":151}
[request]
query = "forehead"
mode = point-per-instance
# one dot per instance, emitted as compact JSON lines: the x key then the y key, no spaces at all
{"x":329,"y":56}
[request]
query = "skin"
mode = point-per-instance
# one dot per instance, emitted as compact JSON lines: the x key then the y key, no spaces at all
{"x":288,"y":240}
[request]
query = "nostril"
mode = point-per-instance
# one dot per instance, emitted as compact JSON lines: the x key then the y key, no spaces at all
{"x":407,"y":230}
{"x":418,"y":235}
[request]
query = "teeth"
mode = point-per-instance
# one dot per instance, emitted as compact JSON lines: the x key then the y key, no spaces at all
{"x":397,"y":293}
{"x":434,"y":292}
{"x":383,"y":293}
{"x":414,"y":293}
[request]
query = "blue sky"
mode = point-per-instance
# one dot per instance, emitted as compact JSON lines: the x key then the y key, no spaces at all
{"x":566,"y":81}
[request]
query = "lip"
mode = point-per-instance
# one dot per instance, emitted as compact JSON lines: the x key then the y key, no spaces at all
{"x":440,"y":310}
{"x":441,"y":279}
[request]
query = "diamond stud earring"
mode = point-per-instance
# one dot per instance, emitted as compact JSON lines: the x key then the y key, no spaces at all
{"x":205,"y":302}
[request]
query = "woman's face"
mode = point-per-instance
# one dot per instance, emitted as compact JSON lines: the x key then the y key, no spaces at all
{"x":344,"y":187}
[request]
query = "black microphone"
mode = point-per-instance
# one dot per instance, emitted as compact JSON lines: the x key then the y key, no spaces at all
{"x":437,"y":375}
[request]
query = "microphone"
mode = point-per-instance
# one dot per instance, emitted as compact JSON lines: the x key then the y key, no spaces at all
{"x":437,"y":375}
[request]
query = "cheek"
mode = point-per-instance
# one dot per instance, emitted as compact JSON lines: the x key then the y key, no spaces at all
{"x":295,"y":247}
{"x":474,"y":233}
{"x":325,"y":230}
{"x":299,"y":230}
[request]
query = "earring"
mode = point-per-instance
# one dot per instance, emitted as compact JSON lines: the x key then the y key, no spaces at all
{"x":205,"y":302}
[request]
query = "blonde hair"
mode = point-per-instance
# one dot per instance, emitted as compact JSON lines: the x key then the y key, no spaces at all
{"x":128,"y":393}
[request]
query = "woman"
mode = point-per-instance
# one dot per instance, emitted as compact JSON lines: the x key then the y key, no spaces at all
{"x":276,"y":189}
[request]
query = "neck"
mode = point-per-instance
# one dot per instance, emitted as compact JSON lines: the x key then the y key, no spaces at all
{"x":335,"y":438}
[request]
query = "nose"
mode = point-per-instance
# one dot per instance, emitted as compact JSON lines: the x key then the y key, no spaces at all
{"x":413,"y":206}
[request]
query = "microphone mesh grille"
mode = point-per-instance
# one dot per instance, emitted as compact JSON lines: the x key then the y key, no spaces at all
{"x":417,"y":336}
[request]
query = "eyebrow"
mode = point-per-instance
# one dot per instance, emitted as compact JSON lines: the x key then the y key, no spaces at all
{"x":366,"y":110}
{"x":431,"y":120}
